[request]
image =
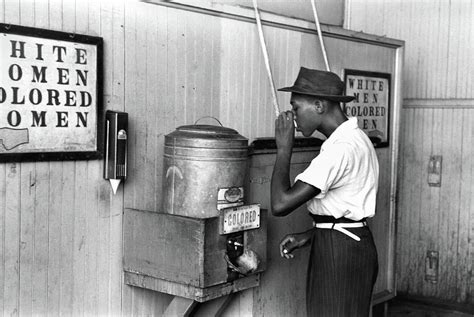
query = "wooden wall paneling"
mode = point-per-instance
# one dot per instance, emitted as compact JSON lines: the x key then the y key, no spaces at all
{"x":165,"y":120}
{"x":311,"y":54}
{"x":215,"y":64}
{"x":234,"y":35}
{"x":79,"y":238}
{"x":466,"y":209}
{"x":12,"y":240}
{"x":26,"y":241}
{"x":415,"y":261}
{"x":429,"y":13}
{"x":103,"y":207}
{"x":440,"y":225}
{"x":255,"y":78}
{"x":248,"y":47}
{"x":56,"y":184}
{"x":282,"y":57}
{"x":449,"y":211}
{"x":26,"y":211}
{"x":68,"y":193}
{"x":40,"y":257}
{"x":105,"y":192}
{"x":110,"y":206}
{"x":416,"y":60}
{"x":425,"y":15}
{"x":92,"y":241}
{"x":430,"y":228}
{"x":54,"y":243}
{"x":426,"y":235}
{"x":424,"y":232}
{"x":155,"y":59}
{"x":66,"y":222}
{"x":174,"y":54}
{"x":470,"y":210}
{"x":133,"y":105}
{"x":452,"y":50}
{"x":188,"y":52}
{"x":195,"y":45}
{"x":149,"y":45}
{"x":116,"y":201}
{"x":467,"y":78}
{"x":92,"y":244}
{"x":457,"y":35}
{"x":204,"y":82}
{"x":138,"y":16}
{"x":2,"y":11}
{"x":289,"y":65}
{"x":181,"y":106}
{"x":237,"y":70}
{"x":11,"y":229}
{"x":103,"y":250}
{"x":440,"y":66}
{"x":40,"y":185}
{"x":436,"y":208}
{"x":264,"y":110}
{"x":81,"y":26}
{"x":450,"y":199}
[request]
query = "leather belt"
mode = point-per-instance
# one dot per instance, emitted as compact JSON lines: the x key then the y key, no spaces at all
{"x":341,"y":227}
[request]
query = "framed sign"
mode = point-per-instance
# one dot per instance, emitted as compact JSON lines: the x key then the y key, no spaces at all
{"x":371,"y":105}
{"x":50,"y":95}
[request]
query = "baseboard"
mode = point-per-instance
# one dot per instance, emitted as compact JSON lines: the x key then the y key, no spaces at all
{"x":435,"y":302}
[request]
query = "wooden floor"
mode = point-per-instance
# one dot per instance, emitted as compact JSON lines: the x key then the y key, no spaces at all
{"x":409,"y":308}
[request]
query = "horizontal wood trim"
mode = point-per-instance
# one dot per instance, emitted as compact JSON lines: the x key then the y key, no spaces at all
{"x":438,"y":103}
{"x":270,"y":19}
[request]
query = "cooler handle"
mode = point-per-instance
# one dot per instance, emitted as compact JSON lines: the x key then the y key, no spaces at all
{"x":210,"y":118}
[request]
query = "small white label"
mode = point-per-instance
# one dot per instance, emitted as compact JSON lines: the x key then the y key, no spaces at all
{"x":230,"y":197}
{"x":240,"y":218}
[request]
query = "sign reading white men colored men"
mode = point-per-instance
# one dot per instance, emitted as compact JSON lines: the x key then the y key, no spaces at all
{"x":49,"y":94}
{"x":371,"y":105}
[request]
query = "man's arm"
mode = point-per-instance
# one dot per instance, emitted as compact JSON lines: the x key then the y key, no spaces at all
{"x":284,"y":197}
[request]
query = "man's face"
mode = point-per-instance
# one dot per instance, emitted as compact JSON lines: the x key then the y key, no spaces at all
{"x":305,"y":113}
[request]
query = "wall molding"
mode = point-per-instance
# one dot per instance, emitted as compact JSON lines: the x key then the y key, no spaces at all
{"x":270,"y":19}
{"x":453,"y":103}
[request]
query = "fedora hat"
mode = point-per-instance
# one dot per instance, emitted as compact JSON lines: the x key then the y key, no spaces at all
{"x":326,"y":85}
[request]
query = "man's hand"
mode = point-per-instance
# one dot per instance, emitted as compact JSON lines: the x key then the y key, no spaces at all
{"x":292,"y":242}
{"x":285,"y":131}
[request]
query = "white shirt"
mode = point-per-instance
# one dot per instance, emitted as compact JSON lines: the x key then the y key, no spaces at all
{"x":346,"y":171}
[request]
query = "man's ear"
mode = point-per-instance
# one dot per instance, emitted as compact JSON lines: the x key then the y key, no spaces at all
{"x":320,"y":106}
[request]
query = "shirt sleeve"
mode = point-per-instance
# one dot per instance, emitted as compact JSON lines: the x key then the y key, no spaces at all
{"x":327,"y":170}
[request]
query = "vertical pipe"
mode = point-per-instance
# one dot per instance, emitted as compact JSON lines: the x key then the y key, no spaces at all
{"x":320,"y":35}
{"x":265,"y":56}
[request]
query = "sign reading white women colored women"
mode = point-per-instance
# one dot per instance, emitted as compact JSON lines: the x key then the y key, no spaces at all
{"x":49,"y":93}
{"x":371,"y":105}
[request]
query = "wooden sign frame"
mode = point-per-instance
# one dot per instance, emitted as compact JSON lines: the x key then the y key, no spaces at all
{"x":50,"y":95}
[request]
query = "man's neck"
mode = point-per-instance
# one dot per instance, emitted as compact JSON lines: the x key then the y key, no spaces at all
{"x":332,"y":122}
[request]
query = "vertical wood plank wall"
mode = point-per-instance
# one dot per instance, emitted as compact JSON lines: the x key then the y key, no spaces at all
{"x":437,"y":119}
{"x":60,"y":224}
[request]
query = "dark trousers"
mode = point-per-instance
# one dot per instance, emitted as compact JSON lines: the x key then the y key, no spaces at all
{"x":341,"y":273}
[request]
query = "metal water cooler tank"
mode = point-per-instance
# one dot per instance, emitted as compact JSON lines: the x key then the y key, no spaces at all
{"x":204,"y":170}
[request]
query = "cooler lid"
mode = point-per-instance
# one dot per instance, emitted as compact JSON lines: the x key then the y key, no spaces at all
{"x":217,"y":136}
